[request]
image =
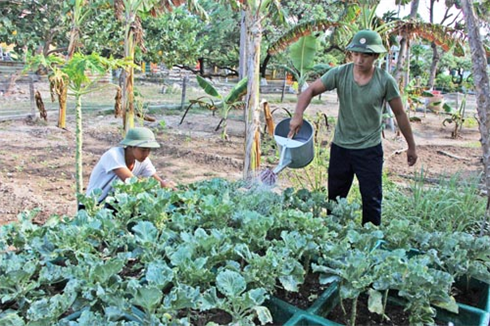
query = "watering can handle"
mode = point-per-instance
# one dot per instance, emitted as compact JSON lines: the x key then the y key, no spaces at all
{"x":293,"y":132}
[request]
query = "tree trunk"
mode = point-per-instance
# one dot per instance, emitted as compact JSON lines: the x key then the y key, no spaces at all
{"x":128,"y":89}
{"x":436,"y":57}
{"x":263,"y":68}
{"x":242,"y":68}
{"x":254,"y":38}
{"x":79,"y":140}
{"x":402,"y":73}
{"x":482,"y":87}
{"x":74,"y":36}
{"x":201,"y":66}
{"x":400,"y":64}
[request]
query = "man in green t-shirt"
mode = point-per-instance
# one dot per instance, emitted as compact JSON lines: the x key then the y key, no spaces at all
{"x":362,"y":89}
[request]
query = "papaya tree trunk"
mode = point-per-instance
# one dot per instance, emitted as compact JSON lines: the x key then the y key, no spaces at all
{"x":254,"y":37}
{"x":79,"y":141}
{"x":482,"y":87}
{"x":401,"y":63}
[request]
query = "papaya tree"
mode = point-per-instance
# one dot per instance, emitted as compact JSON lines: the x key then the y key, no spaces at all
{"x":75,"y":73}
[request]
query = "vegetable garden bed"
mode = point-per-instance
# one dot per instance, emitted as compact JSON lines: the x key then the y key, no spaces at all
{"x":216,"y":253}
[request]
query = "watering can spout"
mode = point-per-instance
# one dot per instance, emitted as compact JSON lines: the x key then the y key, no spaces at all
{"x":281,"y":166}
{"x":284,"y":161}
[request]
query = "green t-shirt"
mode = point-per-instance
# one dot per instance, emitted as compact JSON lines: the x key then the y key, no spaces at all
{"x":359,"y":123}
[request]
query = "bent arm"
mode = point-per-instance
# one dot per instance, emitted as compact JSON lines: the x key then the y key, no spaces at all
{"x":123,"y":173}
{"x":404,"y":125}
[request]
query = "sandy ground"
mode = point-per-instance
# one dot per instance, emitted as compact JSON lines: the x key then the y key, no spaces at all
{"x":37,"y":159}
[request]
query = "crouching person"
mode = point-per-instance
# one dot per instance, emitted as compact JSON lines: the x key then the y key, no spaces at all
{"x":131,"y":159}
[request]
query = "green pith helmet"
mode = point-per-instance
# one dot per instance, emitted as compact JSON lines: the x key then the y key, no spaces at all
{"x":140,"y":137}
{"x":366,"y":41}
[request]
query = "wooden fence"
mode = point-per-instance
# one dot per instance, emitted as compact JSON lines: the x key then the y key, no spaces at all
{"x":11,"y":75}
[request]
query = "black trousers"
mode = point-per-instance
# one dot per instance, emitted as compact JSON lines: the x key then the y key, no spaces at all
{"x":367,"y":165}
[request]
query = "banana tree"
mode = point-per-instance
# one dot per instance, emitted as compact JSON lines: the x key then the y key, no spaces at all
{"x":302,"y":56}
{"x":228,"y":102}
{"x":130,"y":12}
{"x":254,"y":14}
{"x":456,"y":116}
{"x":362,"y":15}
{"x":75,"y":72}
{"x":298,"y":31}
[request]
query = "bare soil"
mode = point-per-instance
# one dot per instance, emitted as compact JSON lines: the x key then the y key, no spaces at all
{"x":37,"y":159}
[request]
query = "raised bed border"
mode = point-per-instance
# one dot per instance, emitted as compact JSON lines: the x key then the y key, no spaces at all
{"x":288,"y":315}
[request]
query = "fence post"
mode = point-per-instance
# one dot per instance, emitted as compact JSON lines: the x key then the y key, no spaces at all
{"x":184,"y":90}
{"x":31,"y":96}
{"x":284,"y":86}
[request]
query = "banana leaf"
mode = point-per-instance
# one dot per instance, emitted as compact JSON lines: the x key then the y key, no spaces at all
{"x":303,"y":53}
{"x":207,"y":87}
{"x":237,"y":92}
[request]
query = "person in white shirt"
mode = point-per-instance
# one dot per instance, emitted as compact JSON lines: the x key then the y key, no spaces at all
{"x":131,"y":159}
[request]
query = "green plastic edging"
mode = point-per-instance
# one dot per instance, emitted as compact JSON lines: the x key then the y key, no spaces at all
{"x":467,"y":316}
{"x":483,"y":290}
{"x":326,"y":301}
{"x":303,"y":318}
{"x":281,"y":311}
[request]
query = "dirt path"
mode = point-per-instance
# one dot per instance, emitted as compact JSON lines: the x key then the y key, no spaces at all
{"x":38,"y":160}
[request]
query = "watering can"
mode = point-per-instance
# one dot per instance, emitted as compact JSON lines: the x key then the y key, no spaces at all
{"x":296,"y":152}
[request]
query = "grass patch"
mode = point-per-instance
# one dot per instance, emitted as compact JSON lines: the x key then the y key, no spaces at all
{"x":473,"y":144}
{"x":470,"y":122}
{"x":454,"y":204}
